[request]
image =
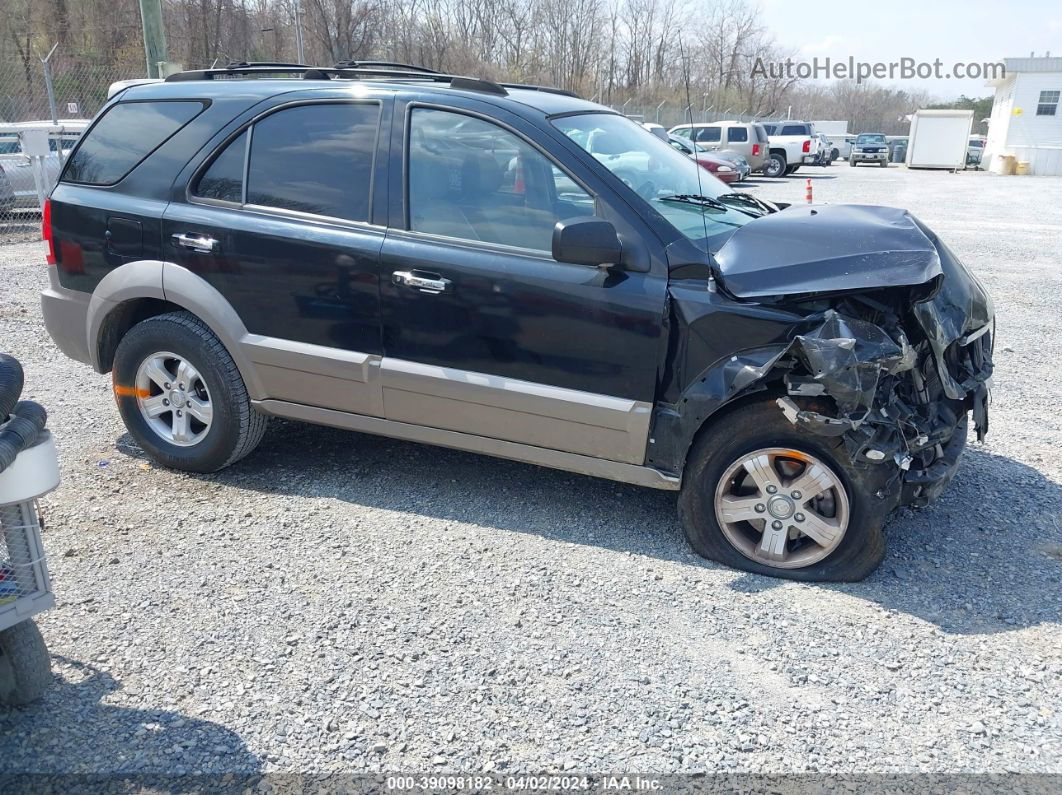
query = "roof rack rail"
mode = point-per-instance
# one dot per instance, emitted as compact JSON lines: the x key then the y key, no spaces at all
{"x":386,"y":65}
{"x":247,"y":64}
{"x":545,"y":89}
{"x":326,"y":73}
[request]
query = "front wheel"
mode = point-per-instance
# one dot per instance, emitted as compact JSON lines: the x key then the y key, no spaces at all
{"x":761,"y":495}
{"x":181,"y":395}
{"x":775,"y":165}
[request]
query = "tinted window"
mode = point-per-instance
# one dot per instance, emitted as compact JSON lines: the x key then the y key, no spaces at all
{"x":471,"y":179}
{"x":761,"y":133}
{"x":707,"y":135}
{"x":794,"y":129}
{"x":314,"y":159}
{"x":224,"y":178}
{"x":737,"y":134}
{"x":124,"y":136}
{"x":771,"y":129}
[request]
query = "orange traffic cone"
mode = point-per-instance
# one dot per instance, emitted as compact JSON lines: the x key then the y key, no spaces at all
{"x":809,"y":191}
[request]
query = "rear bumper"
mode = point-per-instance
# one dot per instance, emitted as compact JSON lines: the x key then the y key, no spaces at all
{"x":66,"y":318}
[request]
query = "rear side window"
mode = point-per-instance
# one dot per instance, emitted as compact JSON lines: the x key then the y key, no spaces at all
{"x":314,"y":159}
{"x":707,"y":135}
{"x":224,"y":179}
{"x":126,"y":134}
{"x":737,"y":134}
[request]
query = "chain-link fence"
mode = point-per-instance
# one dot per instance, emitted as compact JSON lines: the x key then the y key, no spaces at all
{"x":45,"y":104}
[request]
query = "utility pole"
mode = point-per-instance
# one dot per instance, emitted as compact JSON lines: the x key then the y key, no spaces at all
{"x":154,"y":35}
{"x":298,"y":32}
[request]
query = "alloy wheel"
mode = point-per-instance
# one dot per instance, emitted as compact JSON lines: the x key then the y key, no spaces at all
{"x":782,"y":508}
{"x":173,"y":399}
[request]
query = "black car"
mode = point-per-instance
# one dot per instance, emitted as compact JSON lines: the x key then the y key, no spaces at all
{"x":514,"y":271}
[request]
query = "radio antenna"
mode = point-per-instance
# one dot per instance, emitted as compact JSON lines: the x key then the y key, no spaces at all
{"x":693,"y":133}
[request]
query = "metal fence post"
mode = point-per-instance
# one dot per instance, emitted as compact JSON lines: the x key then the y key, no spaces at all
{"x":46,"y":63}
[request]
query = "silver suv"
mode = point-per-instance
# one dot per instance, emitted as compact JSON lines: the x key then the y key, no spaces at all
{"x":748,"y":139}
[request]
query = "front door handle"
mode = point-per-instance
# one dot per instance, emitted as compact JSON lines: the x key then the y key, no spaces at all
{"x":432,"y":283}
{"x":199,"y":243}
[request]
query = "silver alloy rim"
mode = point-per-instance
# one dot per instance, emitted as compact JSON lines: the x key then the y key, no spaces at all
{"x":782,"y":508}
{"x":173,"y":399}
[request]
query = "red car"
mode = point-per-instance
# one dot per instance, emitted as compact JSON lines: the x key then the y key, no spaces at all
{"x":723,"y":169}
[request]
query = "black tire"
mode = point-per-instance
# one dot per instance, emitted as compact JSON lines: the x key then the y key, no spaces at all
{"x":25,"y":668}
{"x":775,"y":166}
{"x":761,"y":425}
{"x":236,"y":427}
{"x":834,"y":154}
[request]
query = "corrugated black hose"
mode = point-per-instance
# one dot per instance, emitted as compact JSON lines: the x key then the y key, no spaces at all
{"x":21,"y":421}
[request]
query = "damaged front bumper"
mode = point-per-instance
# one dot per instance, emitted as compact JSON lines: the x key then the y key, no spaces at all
{"x":895,"y":349}
{"x":888,"y":399}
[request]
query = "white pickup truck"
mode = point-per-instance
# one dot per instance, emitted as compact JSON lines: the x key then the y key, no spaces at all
{"x":792,"y":144}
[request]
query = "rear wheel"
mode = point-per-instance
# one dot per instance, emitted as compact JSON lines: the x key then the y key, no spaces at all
{"x":761,"y":495}
{"x":181,"y":395}
{"x":775,"y":165}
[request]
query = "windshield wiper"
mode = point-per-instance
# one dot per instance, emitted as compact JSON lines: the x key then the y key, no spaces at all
{"x":746,"y":199}
{"x":693,"y":198}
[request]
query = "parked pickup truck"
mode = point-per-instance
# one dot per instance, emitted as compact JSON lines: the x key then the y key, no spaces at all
{"x":516,"y":272}
{"x":792,"y":144}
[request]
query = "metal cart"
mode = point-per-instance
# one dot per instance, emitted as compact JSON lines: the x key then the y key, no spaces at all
{"x":25,"y":589}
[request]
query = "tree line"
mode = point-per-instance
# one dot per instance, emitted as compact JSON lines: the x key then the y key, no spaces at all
{"x":687,"y":58}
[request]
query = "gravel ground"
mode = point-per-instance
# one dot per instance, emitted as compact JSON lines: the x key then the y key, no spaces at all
{"x":340,"y":602}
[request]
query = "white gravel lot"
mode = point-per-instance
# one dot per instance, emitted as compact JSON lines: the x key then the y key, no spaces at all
{"x":340,"y":602}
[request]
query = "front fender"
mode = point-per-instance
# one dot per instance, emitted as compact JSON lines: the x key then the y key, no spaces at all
{"x":675,"y":425}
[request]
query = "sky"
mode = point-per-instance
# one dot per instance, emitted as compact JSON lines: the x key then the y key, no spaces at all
{"x":971,"y":30}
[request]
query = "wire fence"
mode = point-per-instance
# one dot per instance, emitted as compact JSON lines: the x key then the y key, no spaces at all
{"x":44,"y":107}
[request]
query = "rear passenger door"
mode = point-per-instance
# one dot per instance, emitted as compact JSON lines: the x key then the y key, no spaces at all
{"x":278,"y":218}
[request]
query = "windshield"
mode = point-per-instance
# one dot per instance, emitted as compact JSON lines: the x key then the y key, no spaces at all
{"x":656,"y":172}
{"x":870,"y":139}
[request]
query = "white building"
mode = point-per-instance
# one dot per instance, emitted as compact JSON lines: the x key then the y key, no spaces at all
{"x":1026,"y":118}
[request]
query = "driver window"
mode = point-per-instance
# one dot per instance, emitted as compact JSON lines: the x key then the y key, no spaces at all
{"x":473,"y":180}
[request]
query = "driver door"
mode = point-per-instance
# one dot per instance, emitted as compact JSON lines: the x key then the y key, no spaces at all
{"x":484,"y":332}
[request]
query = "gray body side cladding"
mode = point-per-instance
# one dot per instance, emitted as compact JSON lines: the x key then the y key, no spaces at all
{"x":568,"y":429}
{"x":555,"y":459}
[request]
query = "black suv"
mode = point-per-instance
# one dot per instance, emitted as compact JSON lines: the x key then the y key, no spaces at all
{"x":514,"y":271}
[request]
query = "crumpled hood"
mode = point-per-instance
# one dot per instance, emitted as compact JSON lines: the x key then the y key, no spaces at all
{"x":826,"y":248}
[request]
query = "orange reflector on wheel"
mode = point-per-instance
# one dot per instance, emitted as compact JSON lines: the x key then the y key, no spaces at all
{"x":130,"y":391}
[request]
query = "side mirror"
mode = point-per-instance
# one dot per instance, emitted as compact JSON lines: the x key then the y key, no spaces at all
{"x":586,"y":241}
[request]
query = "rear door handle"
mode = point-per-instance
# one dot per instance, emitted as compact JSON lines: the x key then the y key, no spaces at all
{"x":199,"y":243}
{"x":431,"y":283}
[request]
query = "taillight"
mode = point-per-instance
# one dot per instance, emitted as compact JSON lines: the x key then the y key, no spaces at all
{"x":755,"y":149}
{"x":807,"y":146}
{"x":46,"y":230}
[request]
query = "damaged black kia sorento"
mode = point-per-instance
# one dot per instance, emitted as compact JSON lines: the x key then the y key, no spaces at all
{"x":513,"y":271}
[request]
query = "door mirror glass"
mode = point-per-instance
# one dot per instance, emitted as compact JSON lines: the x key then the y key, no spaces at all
{"x":586,"y":241}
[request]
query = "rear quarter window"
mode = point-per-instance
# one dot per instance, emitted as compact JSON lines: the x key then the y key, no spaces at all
{"x":124,"y":136}
{"x":737,"y":134}
{"x":708,"y":135}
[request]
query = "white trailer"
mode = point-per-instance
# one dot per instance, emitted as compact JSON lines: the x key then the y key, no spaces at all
{"x":939,"y":139}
